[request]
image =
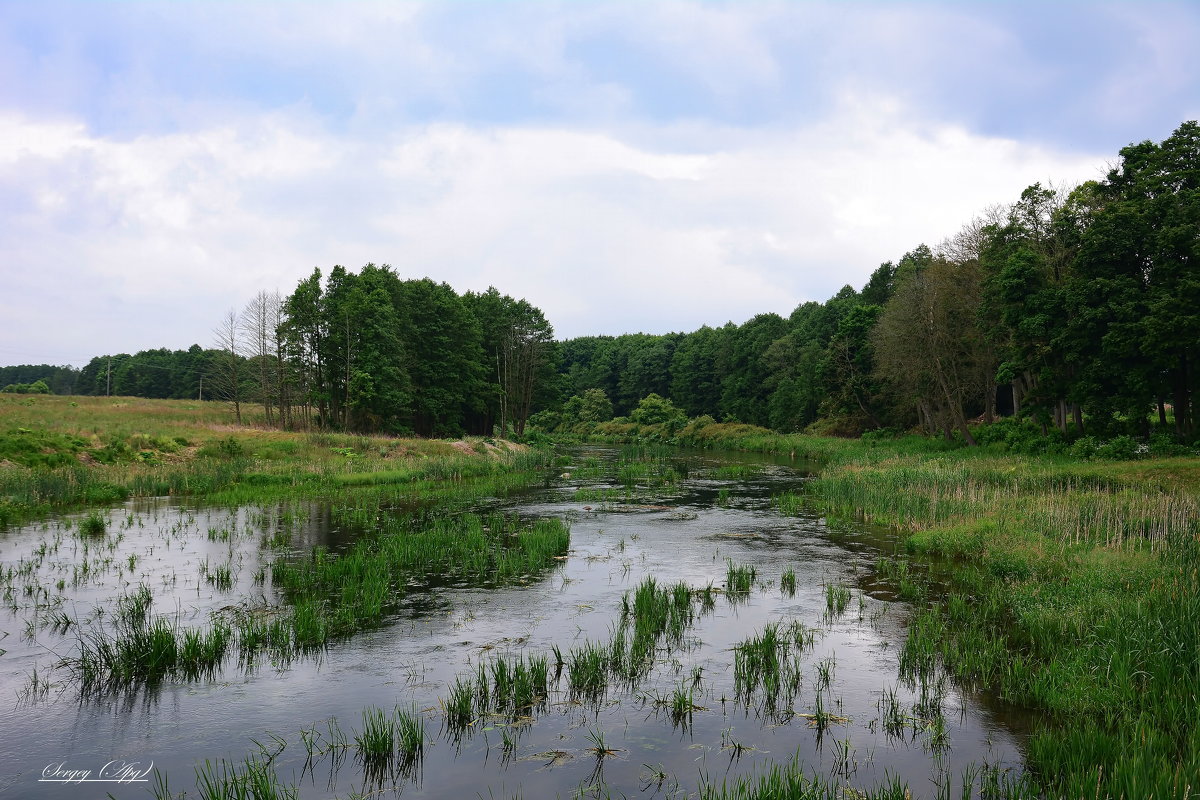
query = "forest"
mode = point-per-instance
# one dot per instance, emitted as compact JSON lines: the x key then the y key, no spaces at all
{"x":1075,"y":308}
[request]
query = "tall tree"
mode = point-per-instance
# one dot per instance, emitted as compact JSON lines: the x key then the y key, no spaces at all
{"x":228,"y":366}
{"x":928,"y":344}
{"x":257,"y":322}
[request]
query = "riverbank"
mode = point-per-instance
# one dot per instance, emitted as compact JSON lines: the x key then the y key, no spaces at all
{"x":1063,"y":585}
{"x":64,"y":453}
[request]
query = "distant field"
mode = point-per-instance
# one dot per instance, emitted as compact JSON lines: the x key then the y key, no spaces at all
{"x":62,"y":452}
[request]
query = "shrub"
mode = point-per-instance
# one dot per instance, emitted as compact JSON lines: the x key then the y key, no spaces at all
{"x":1085,"y":447}
{"x":228,"y":447}
{"x":1121,"y":448}
{"x":1163,"y":445}
{"x":656,"y":410}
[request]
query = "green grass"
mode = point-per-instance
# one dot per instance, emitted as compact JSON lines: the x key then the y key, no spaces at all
{"x":836,"y":599}
{"x":92,"y":525}
{"x":376,"y":743}
{"x":792,"y":781}
{"x":766,"y":667}
{"x":358,"y":588}
{"x":652,"y":624}
{"x":787,"y":582}
{"x":253,"y":779}
{"x":513,"y":687}
{"x":1067,"y":587}
{"x":789,"y":504}
{"x":59,"y":453}
{"x":739,"y":579}
{"x":736,"y":472}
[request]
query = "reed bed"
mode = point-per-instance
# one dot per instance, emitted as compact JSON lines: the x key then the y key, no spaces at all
{"x":142,"y":650}
{"x":1066,"y":587}
{"x":1066,"y":508}
{"x":766,"y":666}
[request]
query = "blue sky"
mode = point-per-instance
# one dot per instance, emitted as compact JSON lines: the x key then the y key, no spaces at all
{"x":627,"y":166}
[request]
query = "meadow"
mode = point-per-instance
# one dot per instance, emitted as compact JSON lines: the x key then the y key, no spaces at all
{"x":1066,"y":587}
{"x":63,"y":453}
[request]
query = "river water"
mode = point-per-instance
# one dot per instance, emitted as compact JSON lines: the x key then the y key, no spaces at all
{"x":876,"y":726}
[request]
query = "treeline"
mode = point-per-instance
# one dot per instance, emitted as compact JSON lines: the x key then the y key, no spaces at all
{"x":1076,"y":309}
{"x":368,"y":351}
{"x":363,"y":351}
{"x":57,"y":380}
{"x":1079,"y":310}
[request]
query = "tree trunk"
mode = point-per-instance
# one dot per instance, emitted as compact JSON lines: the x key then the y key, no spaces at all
{"x":1182,"y":398}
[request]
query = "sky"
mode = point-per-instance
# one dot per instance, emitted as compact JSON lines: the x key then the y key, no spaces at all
{"x":624,"y":166}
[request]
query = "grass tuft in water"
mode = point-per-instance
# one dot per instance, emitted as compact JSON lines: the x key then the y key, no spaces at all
{"x":92,"y":525}
{"x":787,"y":582}
{"x":739,"y":580}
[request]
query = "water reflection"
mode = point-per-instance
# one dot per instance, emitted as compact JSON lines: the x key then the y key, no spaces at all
{"x":836,"y":701}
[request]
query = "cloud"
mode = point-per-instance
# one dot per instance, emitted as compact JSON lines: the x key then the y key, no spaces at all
{"x":604,"y":232}
{"x":624,"y":166}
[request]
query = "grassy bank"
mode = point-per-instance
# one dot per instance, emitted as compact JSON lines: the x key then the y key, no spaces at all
{"x":1067,"y":582}
{"x":1072,"y":588}
{"x":60,"y":453}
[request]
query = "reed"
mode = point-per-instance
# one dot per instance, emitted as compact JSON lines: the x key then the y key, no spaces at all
{"x":739,"y":579}
{"x":787,"y":582}
{"x":836,"y":600}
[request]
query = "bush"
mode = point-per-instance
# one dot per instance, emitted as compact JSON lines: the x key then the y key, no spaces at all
{"x":1018,"y":436}
{"x":1084,"y":447}
{"x":1121,"y":448}
{"x":1163,"y":445}
{"x":228,"y":448}
{"x":37,"y":387}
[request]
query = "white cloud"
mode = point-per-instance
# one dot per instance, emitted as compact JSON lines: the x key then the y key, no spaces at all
{"x":606,"y":231}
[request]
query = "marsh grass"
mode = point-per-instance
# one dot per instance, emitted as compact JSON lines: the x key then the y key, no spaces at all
{"x":739,"y":579}
{"x":682,"y":704}
{"x":652,"y":618}
{"x":766,"y":667}
{"x":787,"y":582}
{"x":337,"y":594}
{"x":513,"y":686}
{"x":836,"y":599}
{"x":736,"y":472}
{"x":1073,"y":591}
{"x":253,"y":779}
{"x":376,"y":743}
{"x":793,"y":780}
{"x":92,"y":525}
{"x":790,"y":504}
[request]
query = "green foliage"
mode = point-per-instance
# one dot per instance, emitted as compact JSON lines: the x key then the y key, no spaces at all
{"x":40,"y":448}
{"x":37,"y":387}
{"x":655,"y":410}
{"x":92,"y":525}
{"x":226,"y":448}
